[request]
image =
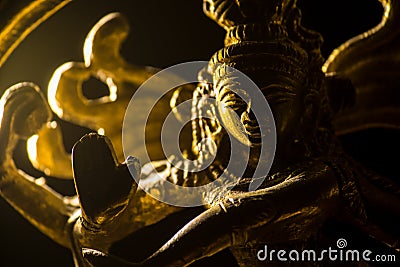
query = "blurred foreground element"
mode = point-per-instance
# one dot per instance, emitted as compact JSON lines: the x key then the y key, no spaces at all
{"x":313,"y":182}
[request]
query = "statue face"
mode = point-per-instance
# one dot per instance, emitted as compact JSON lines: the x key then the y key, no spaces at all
{"x":285,"y":98}
{"x":286,"y":105}
{"x":279,"y":69}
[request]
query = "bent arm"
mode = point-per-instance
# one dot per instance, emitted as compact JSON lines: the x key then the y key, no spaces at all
{"x":24,"y":113}
{"x":306,"y":199}
{"x":39,"y":204}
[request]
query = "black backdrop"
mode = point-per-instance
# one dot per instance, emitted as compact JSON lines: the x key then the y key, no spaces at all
{"x":163,"y":33}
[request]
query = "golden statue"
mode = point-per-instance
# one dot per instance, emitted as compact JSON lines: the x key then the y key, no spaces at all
{"x":311,"y":179}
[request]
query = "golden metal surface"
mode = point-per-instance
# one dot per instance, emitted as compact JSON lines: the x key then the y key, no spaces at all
{"x":312,"y":179}
{"x":17,"y":25}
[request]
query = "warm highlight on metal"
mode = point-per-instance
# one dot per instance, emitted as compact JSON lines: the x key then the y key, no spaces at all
{"x":312,"y":179}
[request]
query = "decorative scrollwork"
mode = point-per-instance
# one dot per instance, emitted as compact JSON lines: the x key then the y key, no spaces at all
{"x":312,"y":179}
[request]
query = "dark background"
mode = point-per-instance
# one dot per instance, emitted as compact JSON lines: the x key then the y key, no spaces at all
{"x":163,"y":33}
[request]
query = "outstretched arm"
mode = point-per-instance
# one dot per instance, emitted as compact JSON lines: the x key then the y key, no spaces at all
{"x":306,"y":199}
{"x":24,"y":112}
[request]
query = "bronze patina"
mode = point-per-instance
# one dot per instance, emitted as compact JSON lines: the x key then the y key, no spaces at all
{"x":312,"y":179}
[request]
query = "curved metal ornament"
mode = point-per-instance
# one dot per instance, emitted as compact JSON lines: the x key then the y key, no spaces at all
{"x":21,"y":18}
{"x":371,"y":61}
{"x":312,"y":179}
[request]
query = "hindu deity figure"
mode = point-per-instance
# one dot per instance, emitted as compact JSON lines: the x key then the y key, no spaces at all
{"x":311,"y":179}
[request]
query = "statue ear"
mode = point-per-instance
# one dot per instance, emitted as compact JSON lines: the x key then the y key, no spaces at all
{"x":340,"y":90}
